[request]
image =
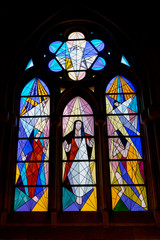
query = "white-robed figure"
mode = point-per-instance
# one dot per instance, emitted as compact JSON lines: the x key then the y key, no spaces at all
{"x":78,"y":146}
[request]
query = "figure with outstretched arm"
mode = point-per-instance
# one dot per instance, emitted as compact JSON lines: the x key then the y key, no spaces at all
{"x":78,"y":146}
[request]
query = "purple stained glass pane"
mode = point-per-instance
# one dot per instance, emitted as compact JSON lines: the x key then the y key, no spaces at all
{"x":77,"y":106}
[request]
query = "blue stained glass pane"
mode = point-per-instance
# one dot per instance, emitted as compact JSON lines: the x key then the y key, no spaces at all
{"x":124,"y":61}
{"x":137,"y":142}
{"x":20,"y":199}
{"x":53,"y":47}
{"x":54,"y":66}
{"x":35,"y":87}
{"x":89,"y":50}
{"x":98,"y":44}
{"x":133,"y":105}
{"x":26,"y":90}
{"x":28,"y":148}
{"x":131,"y":205}
{"x":30,"y":64}
{"x":109,"y":84}
{"x":63,"y":51}
{"x":130,"y":84}
{"x":76,"y":55}
{"x":99,"y":64}
{"x":120,"y":84}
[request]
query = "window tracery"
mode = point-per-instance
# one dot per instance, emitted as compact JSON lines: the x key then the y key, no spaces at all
{"x":77,"y":56}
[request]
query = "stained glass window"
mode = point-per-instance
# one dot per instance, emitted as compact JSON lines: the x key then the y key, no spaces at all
{"x":128,"y":190}
{"x":76,"y":55}
{"x":79,"y":185}
{"x":32,"y":165}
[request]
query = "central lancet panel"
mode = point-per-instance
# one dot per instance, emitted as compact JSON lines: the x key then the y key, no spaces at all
{"x":79,"y":185}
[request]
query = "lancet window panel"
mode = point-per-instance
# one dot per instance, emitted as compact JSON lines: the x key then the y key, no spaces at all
{"x":32,"y":165}
{"x":126,"y":160}
{"x":79,"y":184}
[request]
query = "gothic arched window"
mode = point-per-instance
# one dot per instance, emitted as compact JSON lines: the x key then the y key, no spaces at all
{"x":32,"y":165}
{"x":128,"y":190}
{"x":78,"y":157}
{"x":79,"y":60}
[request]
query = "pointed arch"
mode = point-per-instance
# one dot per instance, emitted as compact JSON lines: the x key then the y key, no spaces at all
{"x":32,"y":165}
{"x":79,"y":182}
{"x":126,"y":163}
{"x":84,"y":92}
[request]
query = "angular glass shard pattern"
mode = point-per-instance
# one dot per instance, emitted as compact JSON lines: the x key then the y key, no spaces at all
{"x":121,"y":104}
{"x":76,"y":55}
{"x":129,"y":198}
{"x":125,"y":61}
{"x":35,"y":87}
{"x":79,"y":192}
{"x":32,"y":165}
{"x":128,"y":189}
{"x":30,"y":64}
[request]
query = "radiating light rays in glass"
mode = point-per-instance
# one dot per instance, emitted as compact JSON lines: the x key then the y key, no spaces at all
{"x":76,"y":55}
{"x":32,"y":166}
{"x":79,"y":191}
{"x":35,"y":87}
{"x":119,"y":85}
{"x":77,"y":106}
{"x":128,"y":190}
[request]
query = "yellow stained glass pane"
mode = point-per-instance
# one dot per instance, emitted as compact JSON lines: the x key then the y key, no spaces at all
{"x":41,"y":89}
{"x":91,"y":203}
{"x":42,"y":203}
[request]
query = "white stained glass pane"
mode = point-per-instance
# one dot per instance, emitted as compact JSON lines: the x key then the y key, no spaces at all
{"x":76,"y":35}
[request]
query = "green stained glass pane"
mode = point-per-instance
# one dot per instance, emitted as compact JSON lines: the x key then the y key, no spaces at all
{"x":129,"y":198}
